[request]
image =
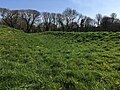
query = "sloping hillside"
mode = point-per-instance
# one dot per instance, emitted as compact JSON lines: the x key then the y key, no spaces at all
{"x":59,"y":61}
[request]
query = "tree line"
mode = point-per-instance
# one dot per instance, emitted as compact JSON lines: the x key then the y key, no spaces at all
{"x":70,"y":20}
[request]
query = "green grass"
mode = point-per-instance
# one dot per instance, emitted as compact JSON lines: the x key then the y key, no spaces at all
{"x":59,"y":61}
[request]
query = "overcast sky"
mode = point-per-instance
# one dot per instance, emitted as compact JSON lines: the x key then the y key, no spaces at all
{"x":86,"y":7}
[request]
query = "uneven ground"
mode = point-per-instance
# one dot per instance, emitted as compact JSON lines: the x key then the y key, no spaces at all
{"x":59,"y":61}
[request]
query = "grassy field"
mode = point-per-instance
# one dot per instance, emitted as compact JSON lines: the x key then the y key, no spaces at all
{"x":59,"y":61}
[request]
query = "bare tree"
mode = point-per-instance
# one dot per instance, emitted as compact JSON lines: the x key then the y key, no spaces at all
{"x":83,"y":21}
{"x":47,"y":20}
{"x":80,"y":17}
{"x":9,"y":17}
{"x":106,"y":23}
{"x":4,"y":13}
{"x":54,"y":21}
{"x":30,"y":17}
{"x":60,"y":21}
{"x":113,"y":16}
{"x":82,"y":24}
{"x":70,"y":15}
{"x":89,"y":22}
{"x":98,"y":18}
